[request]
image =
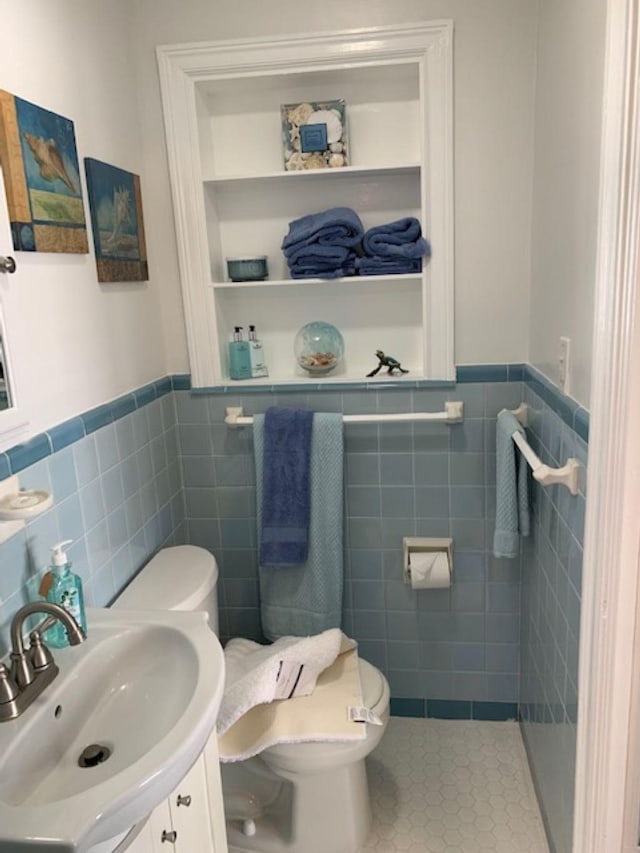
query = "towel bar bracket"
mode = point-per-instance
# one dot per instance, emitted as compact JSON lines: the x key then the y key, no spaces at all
{"x":565,"y":476}
{"x":234,"y":416}
{"x":522,"y":414}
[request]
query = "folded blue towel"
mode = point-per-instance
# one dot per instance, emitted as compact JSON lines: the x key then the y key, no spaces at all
{"x":318,"y":261}
{"x":284,"y":537}
{"x":328,"y":256}
{"x":392,"y":266}
{"x":399,"y":239}
{"x":512,"y":491}
{"x":310,"y":271}
{"x":302,"y":600}
{"x":338,"y":226}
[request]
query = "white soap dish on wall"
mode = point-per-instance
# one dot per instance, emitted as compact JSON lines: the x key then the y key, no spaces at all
{"x":24,"y":505}
{"x":18,"y":505}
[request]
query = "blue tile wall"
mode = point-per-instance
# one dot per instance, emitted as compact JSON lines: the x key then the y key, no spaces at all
{"x":158,"y":466}
{"x":504,"y":639}
{"x":550,"y":614}
{"x":459,"y":645}
{"x":118,"y":494}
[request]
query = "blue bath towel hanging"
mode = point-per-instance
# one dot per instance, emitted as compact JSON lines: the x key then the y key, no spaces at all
{"x":512,"y":490}
{"x":284,"y":537}
{"x":306,"y":599}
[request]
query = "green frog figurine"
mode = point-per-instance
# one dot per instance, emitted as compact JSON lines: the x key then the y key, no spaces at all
{"x":387,"y":361}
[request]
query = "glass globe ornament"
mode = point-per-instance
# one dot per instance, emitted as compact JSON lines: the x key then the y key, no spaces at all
{"x":318,"y":347}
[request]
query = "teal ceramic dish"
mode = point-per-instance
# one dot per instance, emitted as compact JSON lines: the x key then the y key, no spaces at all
{"x":247,"y":269}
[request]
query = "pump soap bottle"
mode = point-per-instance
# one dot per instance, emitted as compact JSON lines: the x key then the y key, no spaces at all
{"x":256,"y":351}
{"x":239,"y":356}
{"x":64,"y":589}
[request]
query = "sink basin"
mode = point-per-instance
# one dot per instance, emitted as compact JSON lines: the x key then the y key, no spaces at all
{"x":145,"y":688}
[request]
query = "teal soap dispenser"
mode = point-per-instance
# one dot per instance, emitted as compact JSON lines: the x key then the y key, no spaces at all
{"x":65,"y":589}
{"x":239,"y":356}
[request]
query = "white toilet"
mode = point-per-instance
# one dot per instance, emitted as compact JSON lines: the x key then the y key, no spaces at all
{"x":298,"y":798}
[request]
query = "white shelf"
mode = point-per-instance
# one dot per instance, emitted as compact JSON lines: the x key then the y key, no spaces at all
{"x":324,"y":282}
{"x":312,"y":174}
{"x":339,"y":378}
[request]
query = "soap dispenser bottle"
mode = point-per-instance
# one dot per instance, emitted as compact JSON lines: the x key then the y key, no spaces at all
{"x":256,"y":352}
{"x":239,"y":356}
{"x":65,"y":589}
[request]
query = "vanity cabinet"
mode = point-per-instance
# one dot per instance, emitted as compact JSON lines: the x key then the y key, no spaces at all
{"x":233,"y":197}
{"x":192,"y":818}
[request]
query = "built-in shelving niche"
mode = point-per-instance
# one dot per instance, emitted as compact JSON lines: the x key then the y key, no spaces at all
{"x":234,"y":198}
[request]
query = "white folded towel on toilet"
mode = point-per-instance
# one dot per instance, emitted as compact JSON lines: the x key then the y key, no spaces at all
{"x":257,"y":676}
{"x":289,"y":667}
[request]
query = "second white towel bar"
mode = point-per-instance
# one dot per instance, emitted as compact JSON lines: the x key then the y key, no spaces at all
{"x":452,"y":414}
{"x":546,"y":476}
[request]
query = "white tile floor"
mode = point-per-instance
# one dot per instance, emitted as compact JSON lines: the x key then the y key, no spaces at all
{"x":440,"y":786}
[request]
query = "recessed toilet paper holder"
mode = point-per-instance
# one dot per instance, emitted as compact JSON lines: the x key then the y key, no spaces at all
{"x":423,"y":544}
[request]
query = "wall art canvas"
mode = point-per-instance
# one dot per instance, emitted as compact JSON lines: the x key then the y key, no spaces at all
{"x":314,"y":135}
{"x":42,"y":178}
{"x":115,"y":202}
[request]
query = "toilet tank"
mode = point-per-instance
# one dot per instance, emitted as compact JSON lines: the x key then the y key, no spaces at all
{"x":183,"y":577}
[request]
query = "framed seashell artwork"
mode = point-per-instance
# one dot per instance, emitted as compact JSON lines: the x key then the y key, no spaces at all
{"x":39,"y":159}
{"x":314,"y":135}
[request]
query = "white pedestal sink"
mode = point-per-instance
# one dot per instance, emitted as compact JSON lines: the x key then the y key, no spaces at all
{"x":145,"y":686}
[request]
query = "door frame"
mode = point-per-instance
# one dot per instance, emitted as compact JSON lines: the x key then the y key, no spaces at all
{"x":608,"y":764}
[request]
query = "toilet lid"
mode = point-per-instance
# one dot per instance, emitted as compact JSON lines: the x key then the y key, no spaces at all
{"x":177,"y":578}
{"x":372,"y":683}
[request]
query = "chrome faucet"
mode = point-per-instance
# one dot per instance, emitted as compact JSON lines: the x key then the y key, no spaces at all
{"x":32,"y":670}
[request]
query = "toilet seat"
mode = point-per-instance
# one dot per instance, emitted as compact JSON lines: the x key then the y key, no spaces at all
{"x":372,"y":683}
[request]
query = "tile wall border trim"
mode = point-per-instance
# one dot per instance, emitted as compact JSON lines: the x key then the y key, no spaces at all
{"x":21,"y":456}
{"x":568,"y":410}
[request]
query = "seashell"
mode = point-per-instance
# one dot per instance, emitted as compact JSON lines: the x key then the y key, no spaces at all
{"x":316,"y":161}
{"x":332,"y":121}
{"x":49,"y":159}
{"x":336,"y":160}
{"x":295,"y":163}
{"x":336,"y":147}
{"x":306,"y":155}
{"x":300,"y":114}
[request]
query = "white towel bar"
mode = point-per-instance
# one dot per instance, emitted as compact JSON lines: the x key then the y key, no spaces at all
{"x":452,"y":414}
{"x":546,"y":476}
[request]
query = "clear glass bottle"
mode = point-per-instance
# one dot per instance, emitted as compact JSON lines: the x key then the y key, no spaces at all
{"x":256,"y":352}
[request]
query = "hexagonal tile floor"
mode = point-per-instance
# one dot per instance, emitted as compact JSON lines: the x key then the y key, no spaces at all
{"x":441,"y":786}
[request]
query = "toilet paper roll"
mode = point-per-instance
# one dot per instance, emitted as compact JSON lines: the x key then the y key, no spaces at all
{"x":429,"y":570}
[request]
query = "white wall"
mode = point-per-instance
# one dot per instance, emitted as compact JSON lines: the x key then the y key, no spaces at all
{"x":494,"y":78}
{"x":566,"y":178}
{"x":76,"y":343}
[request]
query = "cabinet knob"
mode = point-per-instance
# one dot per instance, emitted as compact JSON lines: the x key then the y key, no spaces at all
{"x":183,"y":801}
{"x":171,"y":837}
